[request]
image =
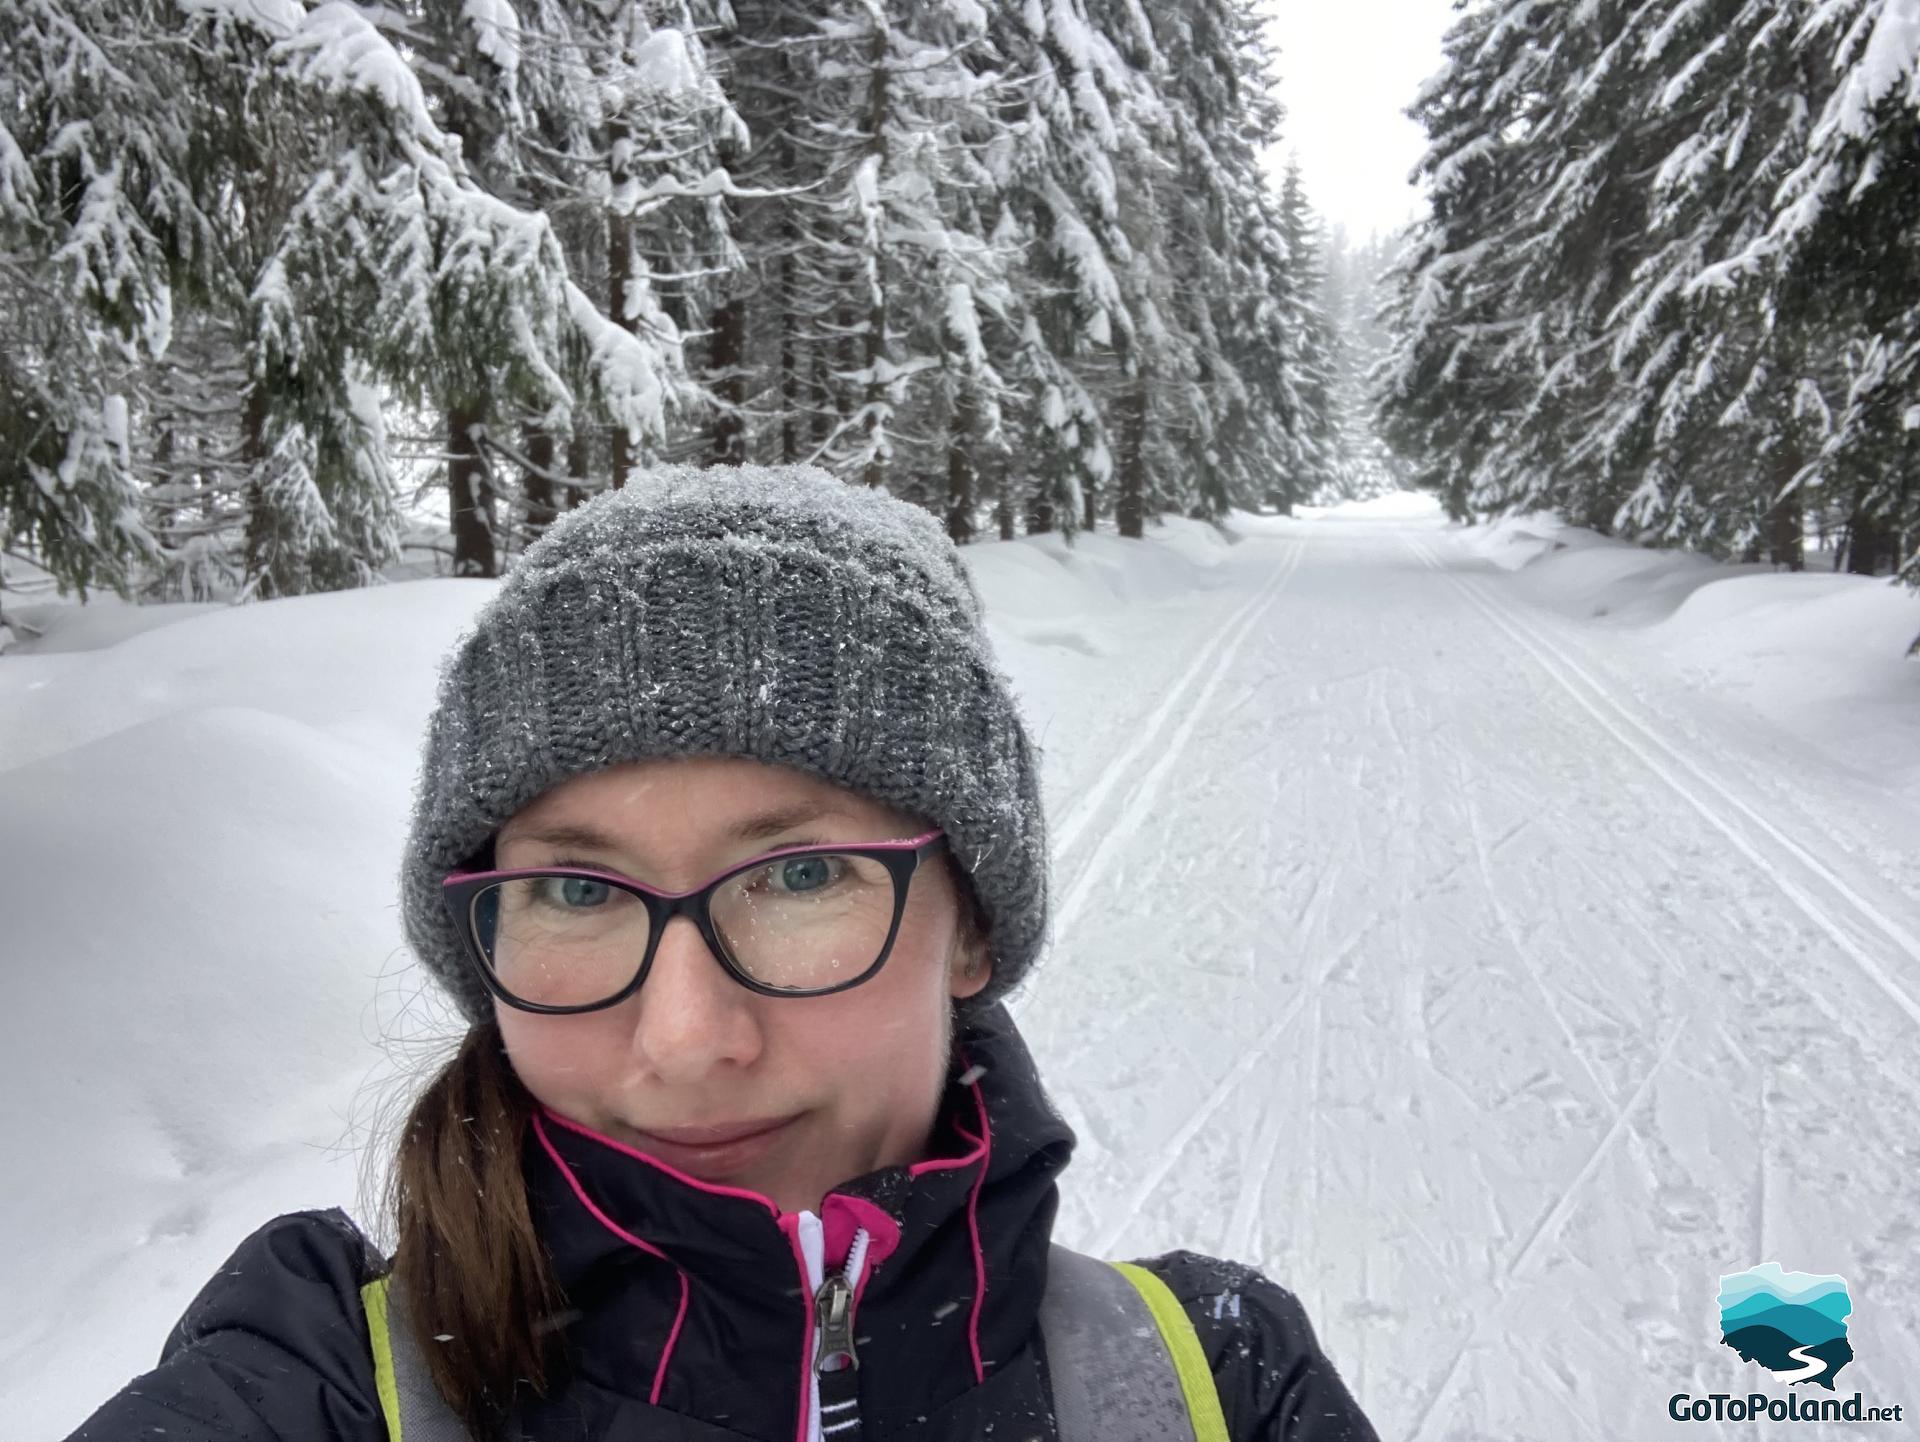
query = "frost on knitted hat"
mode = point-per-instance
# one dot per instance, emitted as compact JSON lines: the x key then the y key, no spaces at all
{"x":773,"y":613}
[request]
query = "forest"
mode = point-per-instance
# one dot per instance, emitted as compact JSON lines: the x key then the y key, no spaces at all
{"x":278,"y":274}
{"x":1669,"y":284}
{"x":279,"y":268}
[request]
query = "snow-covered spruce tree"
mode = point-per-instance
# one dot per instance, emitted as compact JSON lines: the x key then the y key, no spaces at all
{"x":1457,"y":380}
{"x":1178,"y":379}
{"x":870,"y":271}
{"x":1172,"y":382}
{"x":898,"y":73}
{"x":965,"y":394}
{"x":605,"y":120}
{"x":1843,"y":257}
{"x":279,"y":202}
{"x":103,"y":223}
{"x":1353,"y":299}
{"x":1707,"y":415}
{"x":675,"y":140}
{"x":1225,"y":330}
{"x":1308,"y":430}
{"x":774,"y":348}
{"x":177,"y":168}
{"x":1069,"y":110}
{"x":1277,"y":434}
{"x":1675,"y":401}
{"x":476,"y":313}
{"x":1686,"y":309}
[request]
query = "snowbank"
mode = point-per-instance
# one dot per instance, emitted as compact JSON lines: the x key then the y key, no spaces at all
{"x":1817,"y":655}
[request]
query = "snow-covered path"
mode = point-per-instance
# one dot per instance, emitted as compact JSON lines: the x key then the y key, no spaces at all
{"x":1485,"y":985}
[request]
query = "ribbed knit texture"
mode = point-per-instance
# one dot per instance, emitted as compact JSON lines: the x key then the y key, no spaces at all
{"x":773,"y":613}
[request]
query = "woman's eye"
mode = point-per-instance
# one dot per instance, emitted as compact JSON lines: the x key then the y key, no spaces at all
{"x":804,"y":873}
{"x":573,"y":892}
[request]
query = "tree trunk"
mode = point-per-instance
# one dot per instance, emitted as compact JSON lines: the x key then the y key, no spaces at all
{"x":826,"y":407}
{"x":1129,"y":507}
{"x":876,"y":349}
{"x":875,"y":400}
{"x":579,"y":464}
{"x":728,"y":371}
{"x":792,"y":384}
{"x":537,"y":486}
{"x":790,"y":389}
{"x":469,"y":497}
{"x":1869,"y":542}
{"x":960,"y":471}
{"x":620,"y":277}
{"x":1786,"y":536}
{"x":164,"y":449}
{"x":1040,"y":493}
{"x":253,"y":450}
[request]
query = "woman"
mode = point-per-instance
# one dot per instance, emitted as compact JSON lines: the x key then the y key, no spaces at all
{"x":727,"y":840}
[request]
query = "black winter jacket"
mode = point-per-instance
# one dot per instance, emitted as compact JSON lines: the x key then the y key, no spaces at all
{"x":688,"y":1317}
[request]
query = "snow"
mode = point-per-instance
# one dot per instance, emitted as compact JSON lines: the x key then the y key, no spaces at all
{"x":634,"y":378}
{"x":17,"y":185}
{"x":1497,"y":934}
{"x":1818,"y":655}
{"x":277,"y":19}
{"x":1890,"y":59}
{"x":661,"y":62}
{"x":336,"y":47}
{"x":113,"y":427}
{"x":496,"y":35}
{"x":963,"y":325}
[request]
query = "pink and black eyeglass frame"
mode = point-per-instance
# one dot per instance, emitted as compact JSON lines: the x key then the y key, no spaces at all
{"x":464,"y":893}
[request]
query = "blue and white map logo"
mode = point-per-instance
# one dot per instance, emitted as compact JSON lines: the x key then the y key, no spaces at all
{"x":1795,"y":1325}
{"x":1791,"y":1323}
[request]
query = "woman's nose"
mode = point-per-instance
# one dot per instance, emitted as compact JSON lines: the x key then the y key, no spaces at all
{"x":693,"y":1017}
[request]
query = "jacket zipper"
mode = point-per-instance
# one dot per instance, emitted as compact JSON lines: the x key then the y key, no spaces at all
{"x":833,"y":1412}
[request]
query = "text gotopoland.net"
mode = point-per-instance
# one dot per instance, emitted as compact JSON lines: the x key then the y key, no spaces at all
{"x":1725,"y":1407}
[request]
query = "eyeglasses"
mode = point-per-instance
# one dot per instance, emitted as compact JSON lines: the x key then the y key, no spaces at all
{"x":803,"y":921}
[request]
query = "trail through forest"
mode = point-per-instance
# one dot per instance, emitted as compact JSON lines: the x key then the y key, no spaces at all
{"x":1489,"y":987}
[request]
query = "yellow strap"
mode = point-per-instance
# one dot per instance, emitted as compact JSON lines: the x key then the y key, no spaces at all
{"x":374,"y":1295}
{"x":1189,"y":1361}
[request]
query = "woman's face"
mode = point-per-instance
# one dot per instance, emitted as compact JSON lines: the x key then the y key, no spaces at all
{"x":848,"y":1082}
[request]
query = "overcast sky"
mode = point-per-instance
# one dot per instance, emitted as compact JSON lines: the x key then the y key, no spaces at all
{"x":1348,"y":68}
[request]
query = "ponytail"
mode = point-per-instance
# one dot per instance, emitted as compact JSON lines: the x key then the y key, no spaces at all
{"x":472,"y":1270}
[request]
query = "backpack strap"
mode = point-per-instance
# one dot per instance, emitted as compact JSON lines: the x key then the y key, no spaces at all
{"x":411,"y":1404}
{"x":1125,"y":1362}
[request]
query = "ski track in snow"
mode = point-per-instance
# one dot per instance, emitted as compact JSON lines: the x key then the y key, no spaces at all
{"x":1619,"y":722}
{"x":1486,"y":987}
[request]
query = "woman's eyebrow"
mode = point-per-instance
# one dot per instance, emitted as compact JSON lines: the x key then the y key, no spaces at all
{"x":772,"y":823}
{"x":562,"y":833}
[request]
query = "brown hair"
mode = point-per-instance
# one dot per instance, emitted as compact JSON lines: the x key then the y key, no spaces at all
{"x":475,"y":1277}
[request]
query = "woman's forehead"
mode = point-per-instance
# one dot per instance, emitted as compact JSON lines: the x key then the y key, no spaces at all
{"x":721,"y":800}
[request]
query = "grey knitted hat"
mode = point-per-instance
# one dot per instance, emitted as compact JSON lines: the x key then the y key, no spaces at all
{"x":771,"y":613}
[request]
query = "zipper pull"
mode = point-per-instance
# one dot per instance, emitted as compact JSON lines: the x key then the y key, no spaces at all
{"x":833,"y":1325}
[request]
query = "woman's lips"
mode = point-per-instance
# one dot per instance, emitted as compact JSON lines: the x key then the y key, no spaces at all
{"x":711,"y":1152}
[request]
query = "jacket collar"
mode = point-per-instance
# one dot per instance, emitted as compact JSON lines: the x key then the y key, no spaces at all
{"x":695,"y":1284}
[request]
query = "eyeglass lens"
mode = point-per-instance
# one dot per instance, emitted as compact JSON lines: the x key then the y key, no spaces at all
{"x":796,"y":923}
